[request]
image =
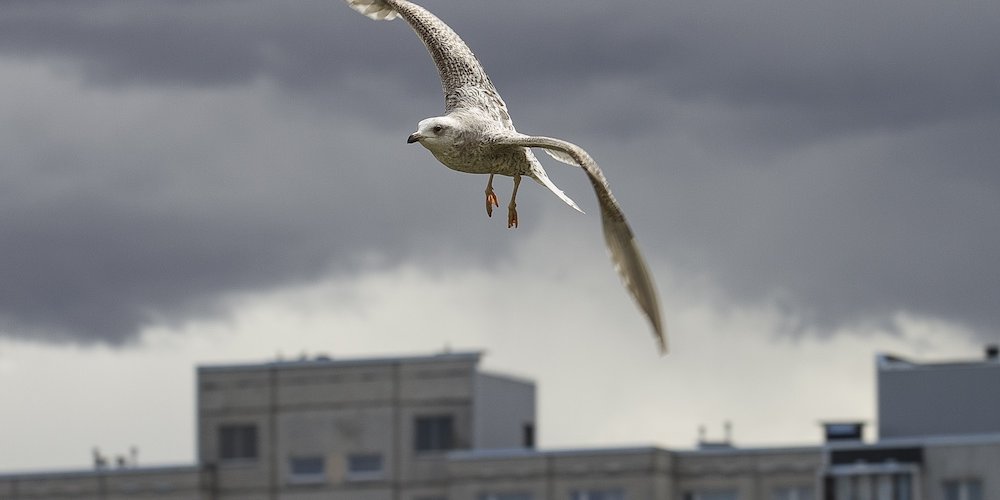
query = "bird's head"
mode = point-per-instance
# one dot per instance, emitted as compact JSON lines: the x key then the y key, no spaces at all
{"x":436,"y":133}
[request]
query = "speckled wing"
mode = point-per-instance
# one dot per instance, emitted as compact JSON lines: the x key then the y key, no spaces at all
{"x":618,"y":235}
{"x":463,"y":80}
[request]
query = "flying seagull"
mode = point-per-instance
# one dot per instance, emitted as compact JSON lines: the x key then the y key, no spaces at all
{"x":476,"y":135}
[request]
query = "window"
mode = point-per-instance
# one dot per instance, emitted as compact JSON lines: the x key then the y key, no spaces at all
{"x":238,"y":442}
{"x":711,"y":495}
{"x":963,"y":489}
{"x":505,"y":496}
{"x":434,"y":433}
{"x":306,"y":470}
{"x":528,"y":435}
{"x":876,"y":486}
{"x":364,"y":466}
{"x":792,"y":493}
{"x":598,"y":494}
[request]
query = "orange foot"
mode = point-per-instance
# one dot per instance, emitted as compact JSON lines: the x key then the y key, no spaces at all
{"x":491,"y":201}
{"x":511,"y":217}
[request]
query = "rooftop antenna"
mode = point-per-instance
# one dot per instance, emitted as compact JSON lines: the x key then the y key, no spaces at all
{"x":100,"y":461}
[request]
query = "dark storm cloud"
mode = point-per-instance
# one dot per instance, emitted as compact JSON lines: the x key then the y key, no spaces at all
{"x":837,"y":160}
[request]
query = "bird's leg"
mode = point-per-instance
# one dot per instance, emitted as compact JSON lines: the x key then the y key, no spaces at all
{"x":512,"y":208}
{"x":491,"y":197}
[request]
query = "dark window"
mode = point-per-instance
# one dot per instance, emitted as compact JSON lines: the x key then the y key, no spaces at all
{"x":873,"y":455}
{"x":966,"y":489}
{"x":435,"y":433}
{"x":711,"y":495}
{"x":306,"y":466}
{"x":897,"y":486}
{"x":364,"y":465}
{"x":238,"y":442}
{"x":505,"y":496}
{"x":307,"y":470}
{"x":598,"y":494}
{"x":528,"y":435}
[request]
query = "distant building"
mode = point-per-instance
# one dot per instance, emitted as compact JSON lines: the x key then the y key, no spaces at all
{"x":938,"y":399}
{"x":939,"y":435}
{"x":438,"y":428}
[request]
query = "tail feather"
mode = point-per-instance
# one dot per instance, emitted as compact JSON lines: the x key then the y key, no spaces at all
{"x":376,"y":9}
{"x":542,"y":178}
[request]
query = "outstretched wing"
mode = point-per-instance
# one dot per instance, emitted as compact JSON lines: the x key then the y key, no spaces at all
{"x":463,"y":80}
{"x":621,"y":243}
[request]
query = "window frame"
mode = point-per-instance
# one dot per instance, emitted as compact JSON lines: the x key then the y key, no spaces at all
{"x":964,"y":488}
{"x":232,"y":444}
{"x":711,"y":493}
{"x":364,"y":475}
{"x":598,"y":493}
{"x":438,"y":433}
{"x":793,"y":492}
{"x":505,"y":495}
{"x":312,"y":477}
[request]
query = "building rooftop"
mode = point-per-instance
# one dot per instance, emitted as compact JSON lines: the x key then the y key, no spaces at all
{"x":324,"y":360}
{"x":515,"y":453}
{"x":943,"y":440}
{"x":886,"y":361}
{"x":117,"y":471}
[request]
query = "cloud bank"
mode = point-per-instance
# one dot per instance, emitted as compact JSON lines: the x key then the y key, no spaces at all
{"x":837,"y":161}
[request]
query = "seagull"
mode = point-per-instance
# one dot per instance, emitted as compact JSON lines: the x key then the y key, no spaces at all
{"x":477,"y":136}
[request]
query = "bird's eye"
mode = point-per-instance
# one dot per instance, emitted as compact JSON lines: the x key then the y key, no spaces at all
{"x":437,"y":129}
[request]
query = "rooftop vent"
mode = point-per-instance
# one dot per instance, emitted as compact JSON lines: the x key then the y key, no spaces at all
{"x":725,"y":444}
{"x":836,"y":432}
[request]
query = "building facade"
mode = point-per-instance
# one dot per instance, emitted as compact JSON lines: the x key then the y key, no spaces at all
{"x":938,"y":399}
{"x":439,"y":428}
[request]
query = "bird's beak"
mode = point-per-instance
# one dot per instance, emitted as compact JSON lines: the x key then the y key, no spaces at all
{"x":414,"y":137}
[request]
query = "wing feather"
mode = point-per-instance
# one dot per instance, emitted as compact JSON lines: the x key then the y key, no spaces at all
{"x":618,"y":235}
{"x":463,"y":79}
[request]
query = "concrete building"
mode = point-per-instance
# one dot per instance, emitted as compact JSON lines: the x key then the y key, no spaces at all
{"x":939,"y":434}
{"x":375,"y":428}
{"x":938,"y":399}
{"x":945,"y":468}
{"x":439,"y":428}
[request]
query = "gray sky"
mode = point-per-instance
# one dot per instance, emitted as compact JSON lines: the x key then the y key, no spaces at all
{"x":812,"y":174}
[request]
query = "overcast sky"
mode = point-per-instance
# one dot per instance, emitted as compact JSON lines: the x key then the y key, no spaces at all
{"x":196,"y":182}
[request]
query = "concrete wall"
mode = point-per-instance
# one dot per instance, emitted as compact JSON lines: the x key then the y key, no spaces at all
{"x":333,"y":409}
{"x":754,"y":474}
{"x":929,"y":400}
{"x":501,"y":409}
{"x":961,"y":461}
{"x":162,"y":483}
{"x":641,"y":473}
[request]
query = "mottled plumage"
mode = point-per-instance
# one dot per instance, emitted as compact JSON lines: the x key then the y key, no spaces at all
{"x":476,"y":135}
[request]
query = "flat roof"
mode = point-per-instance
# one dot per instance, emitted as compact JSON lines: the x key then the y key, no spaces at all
{"x":323,"y":360}
{"x":886,"y":361}
{"x":110,"y":470}
{"x":753,"y":450}
{"x":512,"y":453}
{"x":936,"y":440}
